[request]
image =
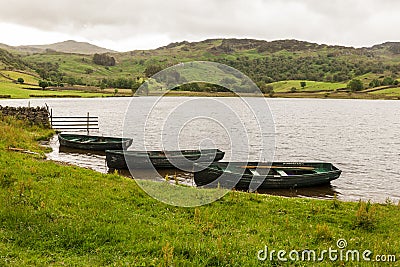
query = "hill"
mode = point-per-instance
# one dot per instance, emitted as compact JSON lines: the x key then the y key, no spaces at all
{"x":10,"y":60}
{"x":69,"y":46}
{"x":265,"y":62}
{"x":6,"y":47}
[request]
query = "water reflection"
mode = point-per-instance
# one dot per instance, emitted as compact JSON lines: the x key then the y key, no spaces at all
{"x":176,"y":176}
{"x":95,"y":160}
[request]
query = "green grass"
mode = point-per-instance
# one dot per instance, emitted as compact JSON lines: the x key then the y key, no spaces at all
{"x":15,"y":75}
{"x":61,"y":215}
{"x":77,"y":65}
{"x":388,"y":92}
{"x":285,"y":86}
{"x":17,"y":91}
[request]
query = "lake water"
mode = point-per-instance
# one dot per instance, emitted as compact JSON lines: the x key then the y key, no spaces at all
{"x":360,"y":137}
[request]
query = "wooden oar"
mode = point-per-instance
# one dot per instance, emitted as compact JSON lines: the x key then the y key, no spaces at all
{"x":278,"y":167}
{"x":22,"y":150}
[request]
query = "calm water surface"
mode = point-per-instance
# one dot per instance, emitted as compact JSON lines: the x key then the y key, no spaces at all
{"x":361,"y":137}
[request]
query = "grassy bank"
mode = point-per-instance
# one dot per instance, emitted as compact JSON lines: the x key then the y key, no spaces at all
{"x":58,"y":215}
{"x":8,"y":87}
{"x":19,"y":91}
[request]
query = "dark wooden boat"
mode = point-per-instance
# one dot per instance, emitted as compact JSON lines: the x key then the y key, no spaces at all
{"x":245,"y":175}
{"x":95,"y":143}
{"x":122,"y":159}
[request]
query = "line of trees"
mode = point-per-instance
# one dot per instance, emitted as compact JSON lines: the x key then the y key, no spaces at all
{"x":384,"y":82}
{"x":326,"y":68}
{"x":123,"y":83}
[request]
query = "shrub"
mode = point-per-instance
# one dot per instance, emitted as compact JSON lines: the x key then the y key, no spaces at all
{"x":365,"y":216}
{"x":323,"y":232}
{"x":355,"y":85}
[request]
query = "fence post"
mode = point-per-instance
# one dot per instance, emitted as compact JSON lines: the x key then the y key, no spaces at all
{"x":88,"y":123}
{"x":51,"y":117}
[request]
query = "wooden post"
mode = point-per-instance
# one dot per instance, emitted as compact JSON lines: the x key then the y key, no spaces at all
{"x":51,"y":118}
{"x":88,"y":123}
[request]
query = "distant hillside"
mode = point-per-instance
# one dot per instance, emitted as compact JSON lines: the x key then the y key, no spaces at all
{"x":265,"y":62}
{"x":9,"y":60}
{"x":272,"y":61}
{"x":69,"y":46}
{"x":391,"y":47}
{"x":6,"y":47}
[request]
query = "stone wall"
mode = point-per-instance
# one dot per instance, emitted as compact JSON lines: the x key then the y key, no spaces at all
{"x":37,"y":116}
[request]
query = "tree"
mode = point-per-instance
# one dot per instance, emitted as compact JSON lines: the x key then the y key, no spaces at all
{"x":115,"y":91}
{"x":43,"y":84}
{"x":71,"y":81}
{"x":303,"y":84}
{"x":388,"y":81}
{"x":266,"y":89}
{"x":151,"y":70}
{"x":375,"y":83}
{"x":193,"y":87}
{"x":271,"y":94}
{"x":355,"y":85}
{"x":20,"y":80}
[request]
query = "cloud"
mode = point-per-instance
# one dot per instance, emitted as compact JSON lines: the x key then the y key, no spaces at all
{"x":125,"y":23}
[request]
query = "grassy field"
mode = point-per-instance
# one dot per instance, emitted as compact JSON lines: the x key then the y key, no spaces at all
{"x":15,"y":90}
{"x":388,"y":92}
{"x":285,"y":86}
{"x":15,"y":75}
{"x":77,"y":66}
{"x":56,"y":215}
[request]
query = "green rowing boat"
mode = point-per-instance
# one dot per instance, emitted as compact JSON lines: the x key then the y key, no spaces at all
{"x":91,"y":142}
{"x":255,"y":175}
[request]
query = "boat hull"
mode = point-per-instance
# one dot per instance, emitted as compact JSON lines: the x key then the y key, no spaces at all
{"x":213,"y":176}
{"x":158,"y":159}
{"x":94,"y":143}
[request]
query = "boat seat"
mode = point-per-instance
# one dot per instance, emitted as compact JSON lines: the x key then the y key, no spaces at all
{"x":255,"y":172}
{"x":282,"y":172}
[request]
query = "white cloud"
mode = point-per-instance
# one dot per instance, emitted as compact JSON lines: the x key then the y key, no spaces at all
{"x":127,"y":25}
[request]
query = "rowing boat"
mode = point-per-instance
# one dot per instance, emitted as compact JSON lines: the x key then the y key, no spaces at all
{"x":123,"y":159}
{"x":249,"y":175}
{"x":92,"y":142}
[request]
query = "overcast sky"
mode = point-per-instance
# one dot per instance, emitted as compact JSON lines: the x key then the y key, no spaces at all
{"x":127,"y":25}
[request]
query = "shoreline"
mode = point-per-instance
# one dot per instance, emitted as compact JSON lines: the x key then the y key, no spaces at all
{"x":298,"y":95}
{"x":55,"y":215}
